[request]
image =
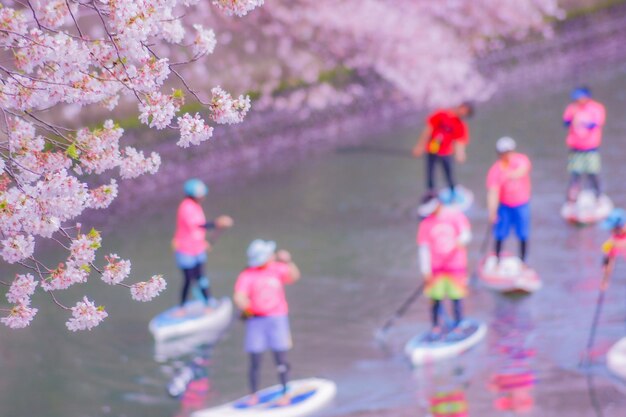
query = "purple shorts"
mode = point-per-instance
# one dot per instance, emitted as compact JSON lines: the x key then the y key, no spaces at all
{"x":271,"y":332}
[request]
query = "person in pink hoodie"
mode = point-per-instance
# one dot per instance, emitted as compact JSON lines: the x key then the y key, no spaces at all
{"x":190,"y":244}
{"x":584,"y":118}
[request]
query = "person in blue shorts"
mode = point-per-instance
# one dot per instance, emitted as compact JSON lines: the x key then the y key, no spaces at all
{"x":508,"y":195}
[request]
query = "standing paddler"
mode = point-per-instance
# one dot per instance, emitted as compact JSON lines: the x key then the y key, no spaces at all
{"x":260,"y":295}
{"x":584,"y":118}
{"x":508,"y":196}
{"x":442,"y":239}
{"x":444,"y":139}
{"x":190,"y":244}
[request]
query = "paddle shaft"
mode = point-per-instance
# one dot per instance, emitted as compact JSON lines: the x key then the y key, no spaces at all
{"x":596,"y":317}
{"x":484,"y":246}
{"x":403,"y":308}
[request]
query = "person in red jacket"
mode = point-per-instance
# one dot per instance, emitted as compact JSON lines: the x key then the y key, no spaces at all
{"x":444,"y":139}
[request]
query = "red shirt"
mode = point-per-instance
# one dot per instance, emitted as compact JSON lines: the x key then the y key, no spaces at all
{"x":264,"y":287}
{"x":447,"y":128}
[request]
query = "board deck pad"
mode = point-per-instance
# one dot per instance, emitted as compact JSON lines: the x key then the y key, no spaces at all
{"x":509,"y":275}
{"x":307,"y":396}
{"x":197,"y":317}
{"x":587,"y":209}
{"x":424,"y":348}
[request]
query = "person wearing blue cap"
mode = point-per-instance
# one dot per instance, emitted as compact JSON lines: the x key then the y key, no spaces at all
{"x":584,"y":119}
{"x":190,"y":244}
{"x":616,"y":245}
{"x":260,"y":295}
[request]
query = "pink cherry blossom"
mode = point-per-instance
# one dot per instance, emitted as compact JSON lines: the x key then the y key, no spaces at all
{"x":238,"y":7}
{"x":20,"y":316}
{"x":205,"y":41}
{"x":22,"y":288}
{"x":85,"y":316}
{"x":225,"y":109}
{"x":116,"y":270}
{"x":147,"y":290}
{"x":193,"y":130}
{"x":17,"y":248}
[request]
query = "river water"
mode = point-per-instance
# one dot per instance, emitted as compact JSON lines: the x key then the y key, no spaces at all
{"x":347,"y":218}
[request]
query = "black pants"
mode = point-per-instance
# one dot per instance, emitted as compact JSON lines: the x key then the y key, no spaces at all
{"x":457,"y":306}
{"x":282,"y":366}
{"x":193,"y":275}
{"x":447,"y":164}
{"x":575,"y":184}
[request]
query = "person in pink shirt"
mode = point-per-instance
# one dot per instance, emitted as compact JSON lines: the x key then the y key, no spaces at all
{"x":442,"y":239}
{"x":189,"y":243}
{"x":584,"y":118}
{"x":616,"y":245}
{"x":508,"y":195}
{"x":260,"y":295}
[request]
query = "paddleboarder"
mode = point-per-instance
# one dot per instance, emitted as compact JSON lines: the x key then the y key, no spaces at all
{"x":442,"y":239}
{"x":260,"y":295}
{"x":444,"y":139}
{"x":189,"y":243}
{"x":584,"y":118}
{"x":616,"y":245}
{"x":508,"y":196}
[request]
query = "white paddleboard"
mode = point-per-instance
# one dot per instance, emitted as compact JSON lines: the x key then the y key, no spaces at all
{"x":509,"y":275}
{"x":616,"y":359}
{"x":421,"y":350}
{"x":587,"y":209}
{"x":462,"y":199}
{"x":307,"y":397}
{"x":196,"y":319}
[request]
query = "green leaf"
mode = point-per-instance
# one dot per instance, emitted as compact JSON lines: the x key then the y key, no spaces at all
{"x":72,"y":151}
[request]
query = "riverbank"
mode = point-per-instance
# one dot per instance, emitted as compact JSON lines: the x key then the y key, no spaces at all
{"x":582,"y":47}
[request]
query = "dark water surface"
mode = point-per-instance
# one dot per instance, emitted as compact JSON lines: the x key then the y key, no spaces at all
{"x":347,"y":219}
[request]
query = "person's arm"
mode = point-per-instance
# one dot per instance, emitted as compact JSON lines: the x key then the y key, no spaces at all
{"x":609,"y":264}
{"x":221,"y":222}
{"x":420,"y":146}
{"x":459,"y":151}
{"x":424,"y":260}
{"x":293,"y":273}
{"x":568,"y":117}
{"x":493,"y":201}
{"x":242,"y":302}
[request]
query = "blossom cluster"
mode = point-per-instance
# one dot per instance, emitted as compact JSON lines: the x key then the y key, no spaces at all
{"x":63,"y":57}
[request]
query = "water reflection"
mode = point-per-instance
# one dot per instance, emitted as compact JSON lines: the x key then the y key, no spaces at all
{"x":190,"y":381}
{"x":511,"y":344}
{"x":442,"y":388}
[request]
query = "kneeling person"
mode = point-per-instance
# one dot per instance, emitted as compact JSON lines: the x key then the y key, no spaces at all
{"x":442,"y":239}
{"x":260,"y":295}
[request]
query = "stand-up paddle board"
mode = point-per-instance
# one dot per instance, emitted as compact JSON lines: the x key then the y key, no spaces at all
{"x":462,"y":199}
{"x":509,"y":275}
{"x":307,"y":396}
{"x":197,"y":317}
{"x":587,"y":209}
{"x":616,"y":359}
{"x":423,"y":349}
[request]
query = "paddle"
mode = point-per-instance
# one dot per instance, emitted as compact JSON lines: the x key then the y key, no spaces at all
{"x":484,"y":246}
{"x":381,"y":333}
{"x":596,"y":317}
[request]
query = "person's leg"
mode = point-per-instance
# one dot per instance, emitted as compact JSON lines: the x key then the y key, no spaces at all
{"x":522,"y":228}
{"x":205,"y":289}
{"x":254,"y":371}
{"x":435,"y":310}
{"x":188,"y":275}
{"x":457,"y":306}
{"x":430,"y":172}
{"x":501,"y":228}
{"x":573,"y":187}
{"x":448,"y":169}
{"x":594,"y":180}
{"x":282,"y":366}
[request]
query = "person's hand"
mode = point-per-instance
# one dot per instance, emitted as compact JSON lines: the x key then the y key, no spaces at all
{"x":209,"y":247}
{"x":461,"y":157}
{"x":418,"y":151}
{"x":493,"y":217}
{"x":173,"y":244}
{"x":605,"y":282}
{"x":283,"y":256}
{"x":428,"y":278}
{"x":224,"y":222}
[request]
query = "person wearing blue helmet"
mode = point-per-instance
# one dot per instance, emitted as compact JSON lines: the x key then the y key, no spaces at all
{"x":584,"y":119}
{"x":190,"y":244}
